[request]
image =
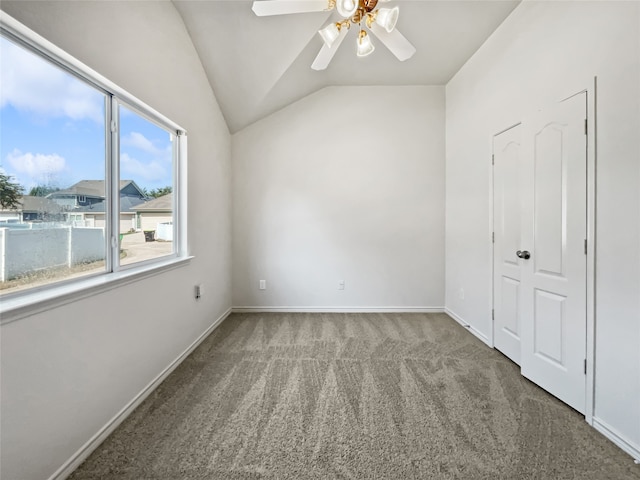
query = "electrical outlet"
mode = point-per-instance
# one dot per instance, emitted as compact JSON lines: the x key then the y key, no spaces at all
{"x":461,"y":294}
{"x":263,"y":285}
{"x":340,"y":284}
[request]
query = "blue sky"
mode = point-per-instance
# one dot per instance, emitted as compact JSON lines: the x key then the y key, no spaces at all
{"x":52,"y":128}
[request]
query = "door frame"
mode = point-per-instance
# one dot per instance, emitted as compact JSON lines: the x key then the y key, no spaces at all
{"x":592,"y":155}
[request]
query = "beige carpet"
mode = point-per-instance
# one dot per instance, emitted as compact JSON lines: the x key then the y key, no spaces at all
{"x":352,"y":396}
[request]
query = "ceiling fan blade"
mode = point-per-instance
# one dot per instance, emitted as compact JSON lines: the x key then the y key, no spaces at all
{"x":283,"y":7}
{"x":326,"y":54}
{"x":395,"y":42}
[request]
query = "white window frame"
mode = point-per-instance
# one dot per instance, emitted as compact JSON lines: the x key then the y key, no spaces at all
{"x":30,"y":301}
{"x":179,"y":151}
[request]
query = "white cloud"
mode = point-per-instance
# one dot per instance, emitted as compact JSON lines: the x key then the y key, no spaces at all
{"x":39,"y":166}
{"x":151,"y":171}
{"x":33,"y":85}
{"x":139,"y":141}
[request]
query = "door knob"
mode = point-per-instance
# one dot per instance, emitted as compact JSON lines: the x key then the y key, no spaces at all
{"x":523,"y":254}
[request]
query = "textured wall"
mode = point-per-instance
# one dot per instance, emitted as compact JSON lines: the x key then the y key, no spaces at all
{"x":346,"y":184}
{"x":542,"y":53}
{"x":68,"y":371}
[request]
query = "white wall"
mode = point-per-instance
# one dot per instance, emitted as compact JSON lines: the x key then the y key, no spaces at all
{"x":316,"y":202}
{"x":346,"y":184}
{"x":68,"y":371}
{"x":542,"y":52}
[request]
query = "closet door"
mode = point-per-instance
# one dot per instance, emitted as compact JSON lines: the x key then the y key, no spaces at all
{"x":507,"y":219}
{"x":552,"y":251}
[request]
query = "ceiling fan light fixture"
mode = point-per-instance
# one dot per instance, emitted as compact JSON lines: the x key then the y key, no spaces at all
{"x":387,"y":18}
{"x":346,"y":8}
{"x":365,"y":47}
{"x":331,"y":32}
{"x":379,"y":22}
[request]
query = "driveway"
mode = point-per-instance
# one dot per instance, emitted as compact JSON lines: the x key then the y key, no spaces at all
{"x":137,"y":249}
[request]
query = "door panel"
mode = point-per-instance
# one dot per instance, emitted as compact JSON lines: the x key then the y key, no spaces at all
{"x":507,"y":239}
{"x":510,"y":201}
{"x":549,"y":200}
{"x":548,"y":319}
{"x":553,"y":280}
{"x":510,"y":306}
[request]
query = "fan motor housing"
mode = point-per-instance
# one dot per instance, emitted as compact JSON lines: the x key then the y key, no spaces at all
{"x":368,"y":5}
{"x":364,"y":7}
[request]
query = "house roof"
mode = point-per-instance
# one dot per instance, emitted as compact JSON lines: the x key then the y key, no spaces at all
{"x":160,"y":204}
{"x":91,"y":188}
{"x":29,"y":203}
{"x":127,"y":204}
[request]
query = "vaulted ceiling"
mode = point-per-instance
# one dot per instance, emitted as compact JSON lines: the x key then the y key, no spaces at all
{"x":258,"y":65}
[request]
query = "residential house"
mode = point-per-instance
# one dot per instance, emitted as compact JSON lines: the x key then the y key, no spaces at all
{"x":150,"y":214}
{"x":84,"y":203}
{"x":33,"y":209}
{"x":373,"y":170}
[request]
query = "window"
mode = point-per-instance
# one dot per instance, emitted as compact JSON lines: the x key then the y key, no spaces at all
{"x":146,"y":214}
{"x":89,"y":174}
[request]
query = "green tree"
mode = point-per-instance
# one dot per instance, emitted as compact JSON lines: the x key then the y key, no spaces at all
{"x":10,"y":192}
{"x":42,"y":190}
{"x":159,"y":192}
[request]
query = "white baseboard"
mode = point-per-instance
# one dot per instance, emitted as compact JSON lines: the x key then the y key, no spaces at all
{"x":617,"y":438}
{"x":338,"y":309}
{"x":81,"y":455}
{"x":473,"y":330}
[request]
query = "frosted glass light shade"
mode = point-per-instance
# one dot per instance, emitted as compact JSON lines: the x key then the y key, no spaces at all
{"x":346,"y":8}
{"x":330,"y":33}
{"x":365,"y":47}
{"x":387,"y":18}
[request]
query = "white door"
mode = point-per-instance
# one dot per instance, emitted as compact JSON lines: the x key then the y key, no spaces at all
{"x":507,"y":219}
{"x":553,"y":277}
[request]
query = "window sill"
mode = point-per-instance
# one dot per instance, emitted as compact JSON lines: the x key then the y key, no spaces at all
{"x":22,"y":306}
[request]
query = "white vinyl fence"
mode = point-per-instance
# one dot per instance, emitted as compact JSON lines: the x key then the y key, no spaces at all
{"x":25,"y":251}
{"x":164,"y":231}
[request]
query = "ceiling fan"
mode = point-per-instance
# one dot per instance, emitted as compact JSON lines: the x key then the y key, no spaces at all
{"x":380,"y":22}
